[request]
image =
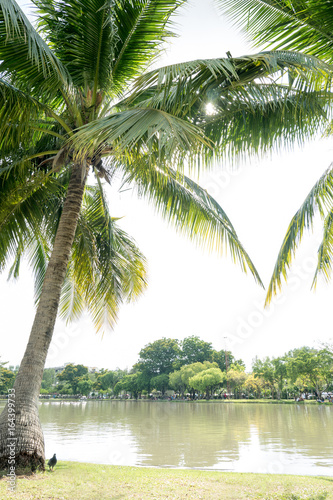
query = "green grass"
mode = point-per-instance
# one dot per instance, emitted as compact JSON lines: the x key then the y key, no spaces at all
{"x":78,"y":481}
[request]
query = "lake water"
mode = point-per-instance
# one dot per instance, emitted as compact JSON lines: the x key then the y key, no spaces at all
{"x":287,"y":439}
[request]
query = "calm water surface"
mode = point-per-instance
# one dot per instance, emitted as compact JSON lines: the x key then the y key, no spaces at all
{"x":293,"y":439}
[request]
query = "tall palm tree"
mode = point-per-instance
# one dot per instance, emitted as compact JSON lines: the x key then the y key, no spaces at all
{"x":74,"y":101}
{"x":306,"y":26}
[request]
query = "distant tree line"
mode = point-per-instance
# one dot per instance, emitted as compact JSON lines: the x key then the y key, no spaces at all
{"x":157,"y":361}
{"x":193,"y":369}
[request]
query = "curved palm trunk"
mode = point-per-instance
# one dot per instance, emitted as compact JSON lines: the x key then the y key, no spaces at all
{"x":28,"y":442}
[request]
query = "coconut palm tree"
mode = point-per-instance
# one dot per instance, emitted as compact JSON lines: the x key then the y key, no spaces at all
{"x":75,"y":101}
{"x":306,"y":26}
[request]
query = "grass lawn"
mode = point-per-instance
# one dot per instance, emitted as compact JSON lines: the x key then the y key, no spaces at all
{"x":78,"y":481}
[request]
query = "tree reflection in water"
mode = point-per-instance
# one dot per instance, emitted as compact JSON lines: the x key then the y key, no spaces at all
{"x":243,"y":437}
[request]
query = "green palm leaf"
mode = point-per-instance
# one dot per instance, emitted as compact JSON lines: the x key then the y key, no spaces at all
{"x":106,"y":268}
{"x":83,"y":35}
{"x":134,"y":128}
{"x":320,"y":199}
{"x":177,"y":87}
{"x":18,"y":112}
{"x":190,"y":209}
{"x":141,"y":26}
{"x":25,"y":198}
{"x":305,"y":25}
{"x":325,"y":251}
{"x":236,"y":105}
{"x":259,"y":118}
{"x":26,"y":55}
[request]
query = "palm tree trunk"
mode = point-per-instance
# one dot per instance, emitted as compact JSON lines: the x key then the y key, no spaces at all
{"x":27,"y":444}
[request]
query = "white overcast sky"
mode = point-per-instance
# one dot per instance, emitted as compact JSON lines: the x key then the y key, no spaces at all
{"x":192,"y":292}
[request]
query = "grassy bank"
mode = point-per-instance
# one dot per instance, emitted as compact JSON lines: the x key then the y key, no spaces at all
{"x":76,"y":481}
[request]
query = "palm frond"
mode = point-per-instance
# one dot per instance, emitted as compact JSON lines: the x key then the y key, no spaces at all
{"x":190,"y":209}
{"x":39,"y":251}
{"x":142,"y":26}
{"x":139,"y":128}
{"x":236,"y":105}
{"x":325,"y":251}
{"x":258,"y":118}
{"x":26,"y":55}
{"x":320,"y":199}
{"x":106,"y":267}
{"x":83,"y":35}
{"x":178,"y":87}
{"x":24,"y":200}
{"x":18,"y":111}
{"x":305,"y":25}
{"x":72,"y":304}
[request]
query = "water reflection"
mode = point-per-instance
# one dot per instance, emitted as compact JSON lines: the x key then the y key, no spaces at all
{"x":291,"y":439}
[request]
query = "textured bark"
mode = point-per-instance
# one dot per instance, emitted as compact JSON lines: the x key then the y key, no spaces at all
{"x":29,"y":439}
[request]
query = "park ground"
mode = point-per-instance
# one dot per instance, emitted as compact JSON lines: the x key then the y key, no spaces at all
{"x":79,"y":481}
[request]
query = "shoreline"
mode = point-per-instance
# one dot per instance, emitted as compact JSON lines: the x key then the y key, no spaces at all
{"x":200,"y":401}
{"x":200,"y":469}
{"x":83,"y":481}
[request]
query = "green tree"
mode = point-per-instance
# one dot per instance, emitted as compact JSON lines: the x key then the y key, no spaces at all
{"x":49,"y":380}
{"x":196,"y":350}
{"x":65,"y":388}
{"x":159,"y":357}
{"x":236,"y":377}
{"x":254,"y":385}
{"x":280,"y":371}
{"x":71,"y":375}
{"x":176,"y":382}
{"x":131,"y":383}
{"x":310,"y":368}
{"x":160,"y":383}
{"x":305,"y":26}
{"x":13,"y":368}
{"x":273,"y":371}
{"x":104,"y":381}
{"x":206,"y":381}
{"x":107,"y":379}
{"x":63,"y":114}
{"x":181,"y":378}
{"x":222,"y":357}
{"x":84,"y":386}
{"x":7,"y":378}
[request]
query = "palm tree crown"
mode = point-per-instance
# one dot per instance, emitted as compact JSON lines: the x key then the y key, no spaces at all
{"x":306,"y":26}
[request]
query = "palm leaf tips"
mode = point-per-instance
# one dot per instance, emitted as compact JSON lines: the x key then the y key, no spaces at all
{"x":304,"y":25}
{"x":319,"y":200}
{"x":106,"y":269}
{"x":190,"y":209}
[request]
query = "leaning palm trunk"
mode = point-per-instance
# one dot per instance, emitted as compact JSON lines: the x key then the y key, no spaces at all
{"x":28,"y":435}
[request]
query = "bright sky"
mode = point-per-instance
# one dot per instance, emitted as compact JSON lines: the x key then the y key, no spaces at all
{"x":192,"y":292}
